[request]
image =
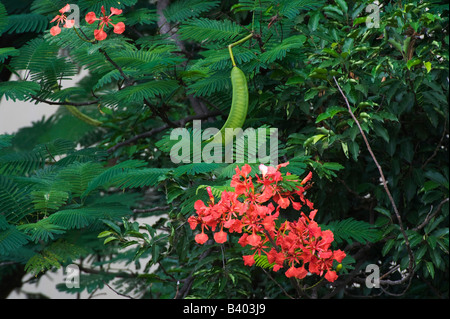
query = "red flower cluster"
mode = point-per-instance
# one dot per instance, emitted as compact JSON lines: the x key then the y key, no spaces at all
{"x":99,"y":34}
{"x":55,"y":30}
{"x":293,"y":245}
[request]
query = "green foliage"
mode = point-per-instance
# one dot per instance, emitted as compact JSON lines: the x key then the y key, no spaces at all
{"x":73,"y":192}
{"x":29,"y":22}
{"x":186,"y":9}
{"x":206,"y":30}
{"x":350,"y":230}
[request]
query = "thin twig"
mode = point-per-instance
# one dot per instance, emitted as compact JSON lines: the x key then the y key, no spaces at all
{"x":437,"y":147}
{"x":149,"y":210}
{"x":278,"y":284}
{"x":119,"y":293}
{"x":430,"y":216}
{"x":63,"y":103}
{"x":386,"y":188}
{"x":179,"y":123}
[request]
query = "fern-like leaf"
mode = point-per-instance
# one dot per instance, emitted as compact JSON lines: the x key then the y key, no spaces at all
{"x":291,"y":8}
{"x":205,"y":30}
{"x":18,"y":90}
{"x":53,"y":256}
{"x":279,"y":51}
{"x":42,"y":230}
{"x":5,"y":140}
{"x":262,"y":261}
{"x":15,"y":202}
{"x":111,"y":174}
{"x":142,"y":16}
{"x":49,"y":200}
{"x":47,"y":7}
{"x":76,"y":177}
{"x":95,"y":5}
{"x":11,"y":239}
{"x":139,"y":92}
{"x":7,"y":52}
{"x":28,"y":22}
{"x":218,"y":81}
{"x":77,"y":218}
{"x":220,"y":59}
{"x":141,"y":177}
{"x":3,"y":18}
{"x":350,"y":230}
{"x":196,"y":168}
{"x":186,"y":9}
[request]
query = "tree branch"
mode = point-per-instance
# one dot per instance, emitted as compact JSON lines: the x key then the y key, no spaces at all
{"x":179,"y":123}
{"x":429,"y":217}
{"x":386,"y":188}
{"x":63,"y":103}
{"x":149,"y":210}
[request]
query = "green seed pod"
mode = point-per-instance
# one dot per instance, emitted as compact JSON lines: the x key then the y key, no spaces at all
{"x":239,"y":104}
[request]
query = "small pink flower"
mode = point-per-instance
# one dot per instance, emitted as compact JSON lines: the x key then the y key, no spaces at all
{"x":99,"y":34}
{"x":55,"y":30}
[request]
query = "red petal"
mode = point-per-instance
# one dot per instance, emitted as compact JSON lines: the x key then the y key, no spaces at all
{"x":65,"y":8}
{"x":220,"y":237}
{"x":296,"y":206}
{"x":254,"y":240}
{"x":115,"y":11}
{"x":301,"y":273}
{"x":201,"y":238}
{"x":283,"y":202}
{"x":243,"y":240}
{"x":339,"y":255}
{"x":246,"y":169}
{"x":199,"y":205}
{"x":91,"y":18}
{"x":100,"y":35}
{"x":192,"y":222}
{"x":54,"y":19}
{"x":312,"y":214}
{"x":249,"y":260}
{"x":69,"y":23}
{"x":55,"y":30}
{"x":331,"y":275}
{"x":307,"y":178}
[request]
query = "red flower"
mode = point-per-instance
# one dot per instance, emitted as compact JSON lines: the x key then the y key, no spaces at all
{"x":299,"y":273}
{"x":243,"y":240}
{"x":220,"y":237}
{"x":61,"y":19}
{"x":331,"y":275}
{"x":249,"y":260}
{"x":105,"y":21}
{"x":254,"y":240}
{"x":338,"y":255}
{"x":242,"y":186}
{"x":201,"y":238}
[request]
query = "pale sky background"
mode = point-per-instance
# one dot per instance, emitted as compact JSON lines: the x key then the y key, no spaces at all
{"x":15,"y":115}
